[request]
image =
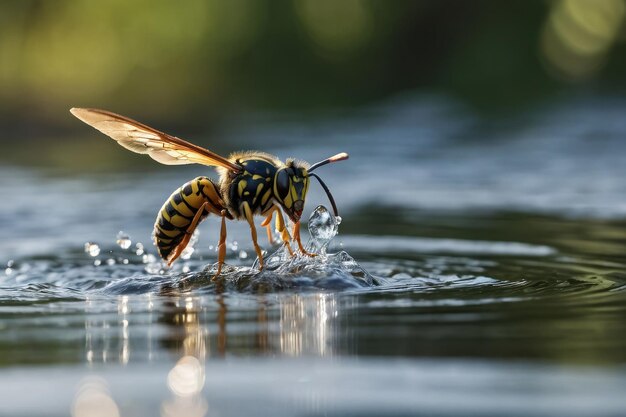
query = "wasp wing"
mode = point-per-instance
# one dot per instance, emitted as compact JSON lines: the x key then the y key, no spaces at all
{"x":139,"y":138}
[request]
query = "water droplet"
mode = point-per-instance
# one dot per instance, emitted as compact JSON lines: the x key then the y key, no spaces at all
{"x":8,"y":271}
{"x":92,"y":249}
{"x":149,"y":258}
{"x":234,"y":246}
{"x":211,"y":247}
{"x":123,"y":240}
{"x":110,"y":261}
{"x":125,"y":261}
{"x":243,"y":254}
{"x":10,"y":263}
{"x":139,"y":249}
{"x":97,"y":262}
{"x":338,"y":219}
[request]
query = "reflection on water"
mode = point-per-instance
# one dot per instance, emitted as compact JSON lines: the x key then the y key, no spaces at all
{"x":195,"y":330}
{"x":308,"y":325}
{"x":202,"y":327}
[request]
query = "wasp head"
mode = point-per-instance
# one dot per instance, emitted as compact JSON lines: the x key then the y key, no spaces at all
{"x":290,"y":186}
{"x":292,"y":182}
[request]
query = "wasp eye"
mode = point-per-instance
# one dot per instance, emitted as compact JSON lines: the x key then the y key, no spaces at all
{"x":282,"y":183}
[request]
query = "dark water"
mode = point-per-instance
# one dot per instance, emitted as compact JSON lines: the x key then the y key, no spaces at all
{"x":498,"y":250}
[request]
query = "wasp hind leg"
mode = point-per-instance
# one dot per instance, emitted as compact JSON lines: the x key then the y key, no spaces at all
{"x":190,"y":229}
{"x":221,"y":247}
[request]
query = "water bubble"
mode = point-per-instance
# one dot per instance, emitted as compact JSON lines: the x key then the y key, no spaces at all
{"x":10,"y":263}
{"x":97,"y":262}
{"x":243,"y":254}
{"x":92,"y":249}
{"x":125,"y":261}
{"x":8,"y":271}
{"x":186,"y":269}
{"x":139,"y":250}
{"x":234,"y":246}
{"x":110,"y":261}
{"x":123,"y":240}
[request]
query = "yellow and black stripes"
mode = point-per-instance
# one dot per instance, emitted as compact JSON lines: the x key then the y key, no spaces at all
{"x":182,"y":212}
{"x":253,"y":186}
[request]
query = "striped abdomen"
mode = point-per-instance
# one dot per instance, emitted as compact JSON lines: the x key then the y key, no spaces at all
{"x":173,"y":225}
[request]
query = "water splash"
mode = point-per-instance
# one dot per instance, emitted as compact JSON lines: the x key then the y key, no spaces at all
{"x":323,"y":227}
{"x":322,"y":270}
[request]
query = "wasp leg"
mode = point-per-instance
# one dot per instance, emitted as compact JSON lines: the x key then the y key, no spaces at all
{"x":221,"y":247}
{"x":248,"y":213}
{"x":282,"y":229}
{"x":296,"y":236}
{"x":185,"y":241}
{"x":267,"y":223}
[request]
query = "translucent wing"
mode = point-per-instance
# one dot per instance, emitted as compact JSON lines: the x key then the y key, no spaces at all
{"x":139,"y":138}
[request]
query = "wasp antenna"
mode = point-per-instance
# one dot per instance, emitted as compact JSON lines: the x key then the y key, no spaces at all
{"x":336,"y":158}
{"x":330,"y":196}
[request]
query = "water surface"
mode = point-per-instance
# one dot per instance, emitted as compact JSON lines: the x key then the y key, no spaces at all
{"x":497,"y":250}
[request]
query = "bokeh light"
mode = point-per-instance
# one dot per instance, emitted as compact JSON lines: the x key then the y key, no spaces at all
{"x":93,"y":399}
{"x":579,"y":34}
{"x":187,"y":377}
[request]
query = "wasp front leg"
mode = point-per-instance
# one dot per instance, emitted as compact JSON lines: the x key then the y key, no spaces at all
{"x":282,"y":229}
{"x":296,"y":236}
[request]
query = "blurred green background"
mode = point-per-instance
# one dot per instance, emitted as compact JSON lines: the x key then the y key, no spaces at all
{"x":189,"y":66}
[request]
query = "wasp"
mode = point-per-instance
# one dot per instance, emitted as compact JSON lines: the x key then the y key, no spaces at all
{"x":250,"y":183}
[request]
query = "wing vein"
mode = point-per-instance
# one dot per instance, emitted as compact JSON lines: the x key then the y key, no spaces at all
{"x":143,"y":139}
